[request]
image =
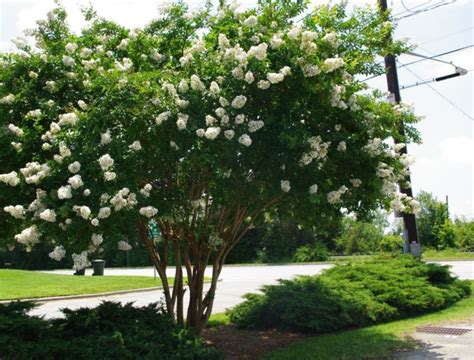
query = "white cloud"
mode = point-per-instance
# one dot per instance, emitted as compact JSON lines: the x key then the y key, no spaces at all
{"x":458,"y":150}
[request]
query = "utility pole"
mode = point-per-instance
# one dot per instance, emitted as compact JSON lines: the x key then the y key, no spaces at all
{"x":410,"y":233}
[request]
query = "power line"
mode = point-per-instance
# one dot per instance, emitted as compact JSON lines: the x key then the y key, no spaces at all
{"x":424,"y":59}
{"x":446,"y":36}
{"x":416,"y":12}
{"x":441,"y":95}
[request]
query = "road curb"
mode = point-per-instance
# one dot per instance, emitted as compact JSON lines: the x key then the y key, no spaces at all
{"x":84,"y":296}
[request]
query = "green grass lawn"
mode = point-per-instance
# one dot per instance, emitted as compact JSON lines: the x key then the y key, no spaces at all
{"x":374,"y":342}
{"x":21,"y":284}
{"x":448,"y":254}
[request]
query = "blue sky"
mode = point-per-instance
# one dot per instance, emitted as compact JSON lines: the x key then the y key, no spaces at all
{"x":444,"y":161}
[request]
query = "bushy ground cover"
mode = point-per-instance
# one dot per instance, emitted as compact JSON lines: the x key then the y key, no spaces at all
{"x":352,"y":295}
{"x":108,"y":331}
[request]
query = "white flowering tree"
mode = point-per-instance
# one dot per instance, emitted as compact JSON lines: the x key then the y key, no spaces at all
{"x":202,"y":124}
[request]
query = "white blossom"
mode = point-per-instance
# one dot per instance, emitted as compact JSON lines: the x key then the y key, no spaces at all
{"x":240,"y":119}
{"x":212,"y":132}
{"x":162,"y":117}
{"x":342,"y":146}
{"x":80,"y":261}
{"x":275,"y":78}
{"x":313,"y":189}
{"x":183,"y":86}
{"x":68,"y":119}
{"x":71,"y":47}
{"x":214,"y":88}
{"x":200,"y":132}
{"x":7,"y":100}
{"x":75,"y":167}
{"x":110,"y":176}
{"x":105,"y":138}
{"x":148,"y":211}
{"x":124,"y":246}
{"x":223,"y":42}
{"x":123,"y":44}
{"x":245,"y":140}
{"x":16,"y":130}
{"x":104,"y":212}
{"x":332,"y":64}
{"x":85,"y":52}
{"x":135,"y":146}
{"x":16,"y":211}
{"x":82,"y":104}
{"x":82,"y":211}
{"x":229,"y":134}
{"x":285,"y":185}
{"x":255,"y":125}
{"x":106,"y":162}
{"x":11,"y":178}
{"x":95,"y":222}
{"x":196,"y":83}
{"x":356,"y":182}
{"x":48,"y":215}
{"x":310,"y":70}
{"x":276,"y":41}
{"x":68,"y":61}
{"x":58,"y":253}
{"x":75,"y":181}
{"x":251,"y":21}
{"x":249,"y":77}
{"x":33,"y":75}
{"x":34,"y":113}
{"x":263,"y":84}
{"x":28,"y":236}
{"x":258,"y":51}
{"x":86,"y":192}
{"x":65,"y":192}
{"x":239,"y":102}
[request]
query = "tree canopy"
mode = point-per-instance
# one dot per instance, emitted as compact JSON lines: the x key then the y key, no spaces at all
{"x":201,"y":123}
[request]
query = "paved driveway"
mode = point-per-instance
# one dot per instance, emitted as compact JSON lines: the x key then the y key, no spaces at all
{"x":235,"y":282}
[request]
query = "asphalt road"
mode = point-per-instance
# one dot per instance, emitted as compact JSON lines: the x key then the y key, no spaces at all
{"x":235,"y":282}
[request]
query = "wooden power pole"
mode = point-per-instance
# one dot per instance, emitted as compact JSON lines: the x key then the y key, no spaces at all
{"x":410,"y":232}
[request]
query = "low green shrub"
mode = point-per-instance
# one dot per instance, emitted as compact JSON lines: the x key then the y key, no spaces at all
{"x":111,"y":330}
{"x":315,"y":252}
{"x":352,"y":295}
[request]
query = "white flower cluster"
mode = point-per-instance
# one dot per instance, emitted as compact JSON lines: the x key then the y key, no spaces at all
{"x":58,"y":253}
{"x":80,"y":261}
{"x":75,"y":181}
{"x":16,"y":130}
{"x":374,"y":147}
{"x":34,"y":172}
{"x":28,"y":236}
{"x":135,"y":146}
{"x":259,"y":52}
{"x":97,"y":239}
{"x":148,"y":211}
{"x":125,"y":65}
{"x":123,"y":199}
{"x":334,"y":197}
{"x":285,"y":185}
{"x":162,"y":117}
{"x":333,"y":64}
{"x":105,"y":138}
{"x":11,"y":178}
{"x":74,"y":167}
{"x":405,"y":204}
{"x":17,"y":211}
{"x":239,"y":102}
{"x":68,"y":119}
{"x":336,"y":97}
{"x":65,"y":192}
{"x":255,"y":125}
{"x":332,"y":39}
{"x":82,"y":211}
{"x":319,"y":150}
{"x":106,"y":162}
{"x":7,"y":100}
{"x":34,"y":113}
{"x":124,"y":246}
{"x":48,"y":215}
{"x":104,"y":212}
{"x":245,"y":140}
{"x":145,"y":191}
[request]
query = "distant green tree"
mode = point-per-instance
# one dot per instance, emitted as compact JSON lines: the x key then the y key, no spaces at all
{"x":431,"y":221}
{"x":358,"y":237}
{"x":464,"y":231}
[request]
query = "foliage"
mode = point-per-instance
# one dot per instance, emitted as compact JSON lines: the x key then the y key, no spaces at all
{"x":110,"y":330}
{"x":358,"y":237}
{"x":314,"y":252}
{"x":374,"y":342}
{"x":352,"y":295}
{"x":430,"y":220}
{"x":200,"y":123}
{"x":464,"y":234}
{"x":391,"y":243}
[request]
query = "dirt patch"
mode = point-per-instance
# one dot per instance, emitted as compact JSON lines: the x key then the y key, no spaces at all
{"x":240,"y":344}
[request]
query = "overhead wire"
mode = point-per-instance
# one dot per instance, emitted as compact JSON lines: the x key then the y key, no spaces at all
{"x":440,"y":94}
{"x":430,"y":8}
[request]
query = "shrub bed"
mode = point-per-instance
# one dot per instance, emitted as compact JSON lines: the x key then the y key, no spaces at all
{"x":352,"y":295}
{"x":109,"y":331}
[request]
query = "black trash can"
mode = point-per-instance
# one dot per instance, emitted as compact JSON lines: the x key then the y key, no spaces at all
{"x":98,"y":266}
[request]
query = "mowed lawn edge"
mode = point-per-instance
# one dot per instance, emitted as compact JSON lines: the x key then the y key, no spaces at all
{"x":373,"y":342}
{"x":22,"y":284}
